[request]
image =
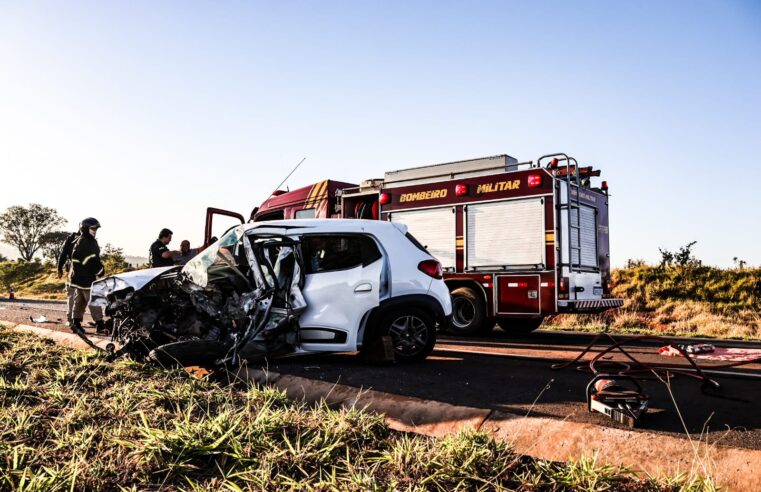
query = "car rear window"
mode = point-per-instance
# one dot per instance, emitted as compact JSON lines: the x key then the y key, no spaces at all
{"x":325,"y":253}
{"x":416,"y":242}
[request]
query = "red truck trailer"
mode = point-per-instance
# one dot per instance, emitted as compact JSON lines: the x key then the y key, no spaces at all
{"x":518,"y":241}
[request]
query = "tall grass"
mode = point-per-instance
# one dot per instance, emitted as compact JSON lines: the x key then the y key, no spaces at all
{"x":71,"y":421}
{"x":680,"y":300}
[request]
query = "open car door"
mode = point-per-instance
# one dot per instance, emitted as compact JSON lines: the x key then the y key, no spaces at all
{"x":214,"y":231}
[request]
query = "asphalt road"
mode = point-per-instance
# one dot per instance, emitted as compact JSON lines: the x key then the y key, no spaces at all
{"x":514,"y":375}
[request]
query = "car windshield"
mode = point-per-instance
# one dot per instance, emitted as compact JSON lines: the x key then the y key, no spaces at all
{"x":221,"y":252}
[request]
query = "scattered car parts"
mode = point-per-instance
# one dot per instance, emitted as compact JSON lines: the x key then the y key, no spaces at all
{"x":615,"y":390}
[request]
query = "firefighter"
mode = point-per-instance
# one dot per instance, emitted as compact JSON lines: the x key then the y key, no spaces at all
{"x":159,"y":254}
{"x":85,"y":268}
{"x":64,"y":261}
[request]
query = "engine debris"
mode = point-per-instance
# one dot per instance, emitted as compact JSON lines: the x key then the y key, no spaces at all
{"x":239,"y":299}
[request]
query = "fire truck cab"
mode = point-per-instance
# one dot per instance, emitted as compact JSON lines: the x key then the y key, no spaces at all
{"x":518,"y":241}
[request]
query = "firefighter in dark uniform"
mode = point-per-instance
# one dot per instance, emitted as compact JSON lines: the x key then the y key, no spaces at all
{"x":64,"y":261}
{"x":85,"y":268}
{"x":159,"y":254}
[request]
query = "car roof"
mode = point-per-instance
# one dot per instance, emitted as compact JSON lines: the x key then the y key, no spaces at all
{"x":326,"y":225}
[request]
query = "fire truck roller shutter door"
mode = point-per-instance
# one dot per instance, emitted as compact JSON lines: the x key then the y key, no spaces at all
{"x":508,"y":233}
{"x":588,"y":234}
{"x":434,"y":228}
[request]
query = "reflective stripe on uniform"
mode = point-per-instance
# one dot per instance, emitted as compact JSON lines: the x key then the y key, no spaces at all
{"x":84,"y":262}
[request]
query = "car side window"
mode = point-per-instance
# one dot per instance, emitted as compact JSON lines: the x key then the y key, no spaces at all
{"x":325,"y":253}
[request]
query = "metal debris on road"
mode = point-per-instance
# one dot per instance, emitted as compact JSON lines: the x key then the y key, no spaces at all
{"x":615,"y":391}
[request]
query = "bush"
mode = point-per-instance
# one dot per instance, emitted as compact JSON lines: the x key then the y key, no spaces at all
{"x":113,"y":260}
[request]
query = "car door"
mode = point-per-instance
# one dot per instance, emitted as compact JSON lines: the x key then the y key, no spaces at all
{"x":213,"y":230}
{"x":341,"y":284}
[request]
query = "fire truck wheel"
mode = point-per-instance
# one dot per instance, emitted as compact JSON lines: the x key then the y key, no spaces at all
{"x":468,"y":313}
{"x":412,"y":332}
{"x":517,"y":326}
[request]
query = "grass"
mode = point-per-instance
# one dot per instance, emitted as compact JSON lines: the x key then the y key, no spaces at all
{"x":687,"y":301}
{"x":71,"y":421}
{"x":38,"y":280}
{"x":32,"y":280}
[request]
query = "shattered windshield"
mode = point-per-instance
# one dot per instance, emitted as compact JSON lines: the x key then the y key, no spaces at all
{"x":224,"y":251}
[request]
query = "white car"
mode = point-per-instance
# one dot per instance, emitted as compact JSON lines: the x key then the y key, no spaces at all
{"x":291,"y":286}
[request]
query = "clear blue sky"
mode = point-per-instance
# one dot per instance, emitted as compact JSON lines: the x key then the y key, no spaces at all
{"x":142,"y":114}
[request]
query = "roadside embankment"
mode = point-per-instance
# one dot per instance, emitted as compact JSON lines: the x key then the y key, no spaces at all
{"x":678,"y":301}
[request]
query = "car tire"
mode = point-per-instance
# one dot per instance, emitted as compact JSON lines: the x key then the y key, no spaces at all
{"x":519,"y":326}
{"x":468,"y":313}
{"x":412,"y":332}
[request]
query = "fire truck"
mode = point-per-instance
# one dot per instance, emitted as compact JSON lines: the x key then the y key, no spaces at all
{"x":517,"y":241}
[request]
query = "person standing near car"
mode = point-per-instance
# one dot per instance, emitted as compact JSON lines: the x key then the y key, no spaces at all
{"x":86,"y":267}
{"x":160,"y":255}
{"x":64,"y":261}
{"x":186,"y":253}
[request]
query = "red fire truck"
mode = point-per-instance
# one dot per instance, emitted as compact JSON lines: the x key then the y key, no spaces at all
{"x":518,"y":241}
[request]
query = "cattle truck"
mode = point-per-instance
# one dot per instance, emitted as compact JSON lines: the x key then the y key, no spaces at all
{"x":517,"y":241}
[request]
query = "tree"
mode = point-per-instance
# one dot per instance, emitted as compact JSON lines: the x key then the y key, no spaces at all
{"x":740,"y":264}
{"x":682,"y":258}
{"x":113,"y":260}
{"x":24,"y":227}
{"x":52,"y":244}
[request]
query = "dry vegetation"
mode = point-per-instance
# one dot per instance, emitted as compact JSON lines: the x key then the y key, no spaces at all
{"x":71,"y":421}
{"x":32,"y":280}
{"x":686,"y":300}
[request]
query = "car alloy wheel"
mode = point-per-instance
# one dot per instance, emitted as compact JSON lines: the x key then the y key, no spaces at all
{"x":409,"y":335}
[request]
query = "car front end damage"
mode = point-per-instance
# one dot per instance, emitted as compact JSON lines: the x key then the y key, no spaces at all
{"x":239,"y":299}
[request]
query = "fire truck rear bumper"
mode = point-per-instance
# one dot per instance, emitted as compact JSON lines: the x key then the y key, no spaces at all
{"x":589,"y":305}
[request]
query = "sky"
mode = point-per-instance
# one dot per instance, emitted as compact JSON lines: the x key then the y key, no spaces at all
{"x":142,"y":114}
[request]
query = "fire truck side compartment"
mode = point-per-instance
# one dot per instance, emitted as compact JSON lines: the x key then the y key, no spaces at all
{"x":518,"y":294}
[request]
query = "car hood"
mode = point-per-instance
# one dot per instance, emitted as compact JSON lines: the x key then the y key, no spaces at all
{"x":134,"y":280}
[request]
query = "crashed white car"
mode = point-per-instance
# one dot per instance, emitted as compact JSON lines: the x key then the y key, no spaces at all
{"x":281,"y":287}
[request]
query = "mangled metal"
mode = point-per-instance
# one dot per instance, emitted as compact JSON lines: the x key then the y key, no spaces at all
{"x":239,"y":299}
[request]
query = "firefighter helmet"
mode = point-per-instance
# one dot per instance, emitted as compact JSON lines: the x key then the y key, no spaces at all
{"x":89,"y":222}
